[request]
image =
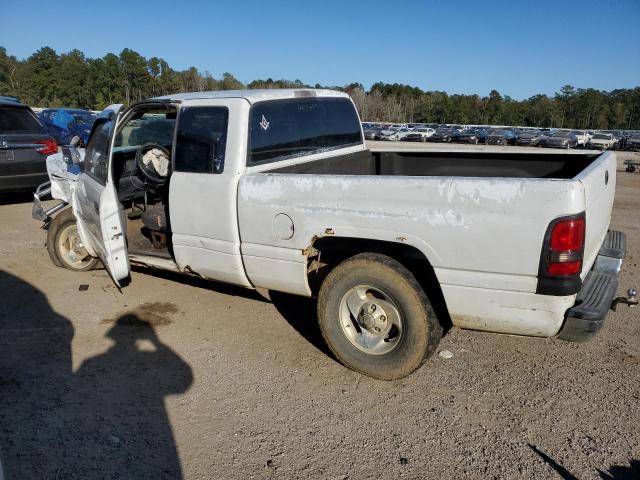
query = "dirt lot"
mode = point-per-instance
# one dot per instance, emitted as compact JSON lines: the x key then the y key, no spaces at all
{"x":180,"y":378}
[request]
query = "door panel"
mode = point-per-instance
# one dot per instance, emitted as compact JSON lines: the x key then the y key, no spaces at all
{"x":202,"y":194}
{"x":96,"y":206}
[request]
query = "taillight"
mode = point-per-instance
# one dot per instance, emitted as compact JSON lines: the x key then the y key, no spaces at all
{"x":566,"y":247}
{"x":49,"y":146}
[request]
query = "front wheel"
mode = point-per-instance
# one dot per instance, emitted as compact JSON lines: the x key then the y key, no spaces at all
{"x":375,"y":317}
{"x":65,"y":246}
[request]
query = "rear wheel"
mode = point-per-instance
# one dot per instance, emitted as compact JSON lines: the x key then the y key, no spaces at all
{"x":376,"y":318}
{"x":65,"y":246}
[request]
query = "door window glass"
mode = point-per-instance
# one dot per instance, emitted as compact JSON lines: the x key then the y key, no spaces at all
{"x":201,"y":139}
{"x":97,"y":154}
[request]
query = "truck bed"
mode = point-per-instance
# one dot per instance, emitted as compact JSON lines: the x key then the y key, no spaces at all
{"x":448,"y":164}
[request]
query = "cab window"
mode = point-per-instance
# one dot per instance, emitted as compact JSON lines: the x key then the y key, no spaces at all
{"x":201,"y":139}
{"x":302,"y":126}
{"x":146,"y":127}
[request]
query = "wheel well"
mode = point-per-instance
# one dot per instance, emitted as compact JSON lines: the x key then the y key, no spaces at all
{"x":327,"y":252}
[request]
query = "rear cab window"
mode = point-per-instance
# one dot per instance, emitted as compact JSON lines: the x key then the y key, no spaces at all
{"x":282,"y":129}
{"x":17,"y":120}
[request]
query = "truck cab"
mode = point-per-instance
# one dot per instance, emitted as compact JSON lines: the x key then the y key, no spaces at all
{"x":185,"y":218}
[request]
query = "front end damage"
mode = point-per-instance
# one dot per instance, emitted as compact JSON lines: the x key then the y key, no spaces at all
{"x":63,"y":169}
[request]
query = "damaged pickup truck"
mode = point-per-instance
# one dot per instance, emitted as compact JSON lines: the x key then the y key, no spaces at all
{"x":276,"y":189}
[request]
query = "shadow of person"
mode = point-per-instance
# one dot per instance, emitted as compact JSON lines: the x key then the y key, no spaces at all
{"x":622,"y":472}
{"x":120,"y":404}
{"x":35,"y":371}
{"x":106,"y":420}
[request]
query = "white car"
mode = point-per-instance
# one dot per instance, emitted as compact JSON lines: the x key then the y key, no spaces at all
{"x":395,"y":134}
{"x":602,"y":141}
{"x":421,"y":134}
{"x":276,"y":189}
{"x":582,"y":136}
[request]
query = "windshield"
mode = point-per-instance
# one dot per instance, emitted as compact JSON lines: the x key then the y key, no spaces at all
{"x":562,"y":134}
{"x":150,"y":127}
{"x":602,"y":136}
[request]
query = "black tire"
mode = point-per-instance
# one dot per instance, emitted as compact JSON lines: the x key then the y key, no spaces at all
{"x":421,"y":331}
{"x":58,"y":226}
{"x":631,"y":169}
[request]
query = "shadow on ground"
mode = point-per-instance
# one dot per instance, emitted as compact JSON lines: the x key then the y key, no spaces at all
{"x":615,"y":472}
{"x":15,"y":197}
{"x":105,"y":420}
{"x":301,"y":314}
{"x":199,"y":282}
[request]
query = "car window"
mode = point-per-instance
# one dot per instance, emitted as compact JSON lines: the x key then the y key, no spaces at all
{"x":287,"y":128}
{"x":150,"y":127}
{"x":97,"y":154}
{"x":18,"y":120}
{"x":201,"y":139}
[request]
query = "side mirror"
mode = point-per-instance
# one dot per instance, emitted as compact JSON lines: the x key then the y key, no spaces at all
{"x":75,"y":141}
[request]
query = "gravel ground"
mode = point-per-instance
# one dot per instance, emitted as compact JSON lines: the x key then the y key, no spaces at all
{"x":181,"y":378}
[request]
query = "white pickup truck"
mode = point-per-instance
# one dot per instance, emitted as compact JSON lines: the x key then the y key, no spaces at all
{"x":276,"y":189}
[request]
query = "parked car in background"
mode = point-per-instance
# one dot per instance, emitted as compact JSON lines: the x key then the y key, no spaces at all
{"x":471,"y":135}
{"x":442,"y":135}
{"x":395,"y":134}
{"x":524,"y":137}
{"x":419,"y":135}
{"x":540,"y":140}
{"x":602,"y":141}
{"x":633,"y":142}
{"x":65,"y":123}
{"x":582,"y":136}
{"x":562,"y":139}
{"x":372,"y":133}
{"x":24,"y":146}
{"x":502,"y":136}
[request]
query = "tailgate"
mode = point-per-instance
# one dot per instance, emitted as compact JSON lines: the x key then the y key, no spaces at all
{"x":599,"y":181}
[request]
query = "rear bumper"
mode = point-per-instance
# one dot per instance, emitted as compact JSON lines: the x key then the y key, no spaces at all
{"x":598,"y":290}
{"x":11,"y":183}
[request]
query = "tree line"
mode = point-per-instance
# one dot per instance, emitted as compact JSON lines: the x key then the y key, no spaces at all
{"x":50,"y":79}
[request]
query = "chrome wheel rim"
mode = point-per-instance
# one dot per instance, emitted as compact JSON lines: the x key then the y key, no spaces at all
{"x":371,"y":320}
{"x":70,"y":248}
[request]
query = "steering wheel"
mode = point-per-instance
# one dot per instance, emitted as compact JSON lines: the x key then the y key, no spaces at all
{"x":148,"y":171}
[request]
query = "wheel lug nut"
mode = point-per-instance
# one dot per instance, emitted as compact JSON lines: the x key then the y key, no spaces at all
{"x":373,"y":308}
{"x":382,"y":318}
{"x":377,"y":329}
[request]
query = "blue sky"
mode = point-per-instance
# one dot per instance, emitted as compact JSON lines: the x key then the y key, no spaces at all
{"x":517,"y":47}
